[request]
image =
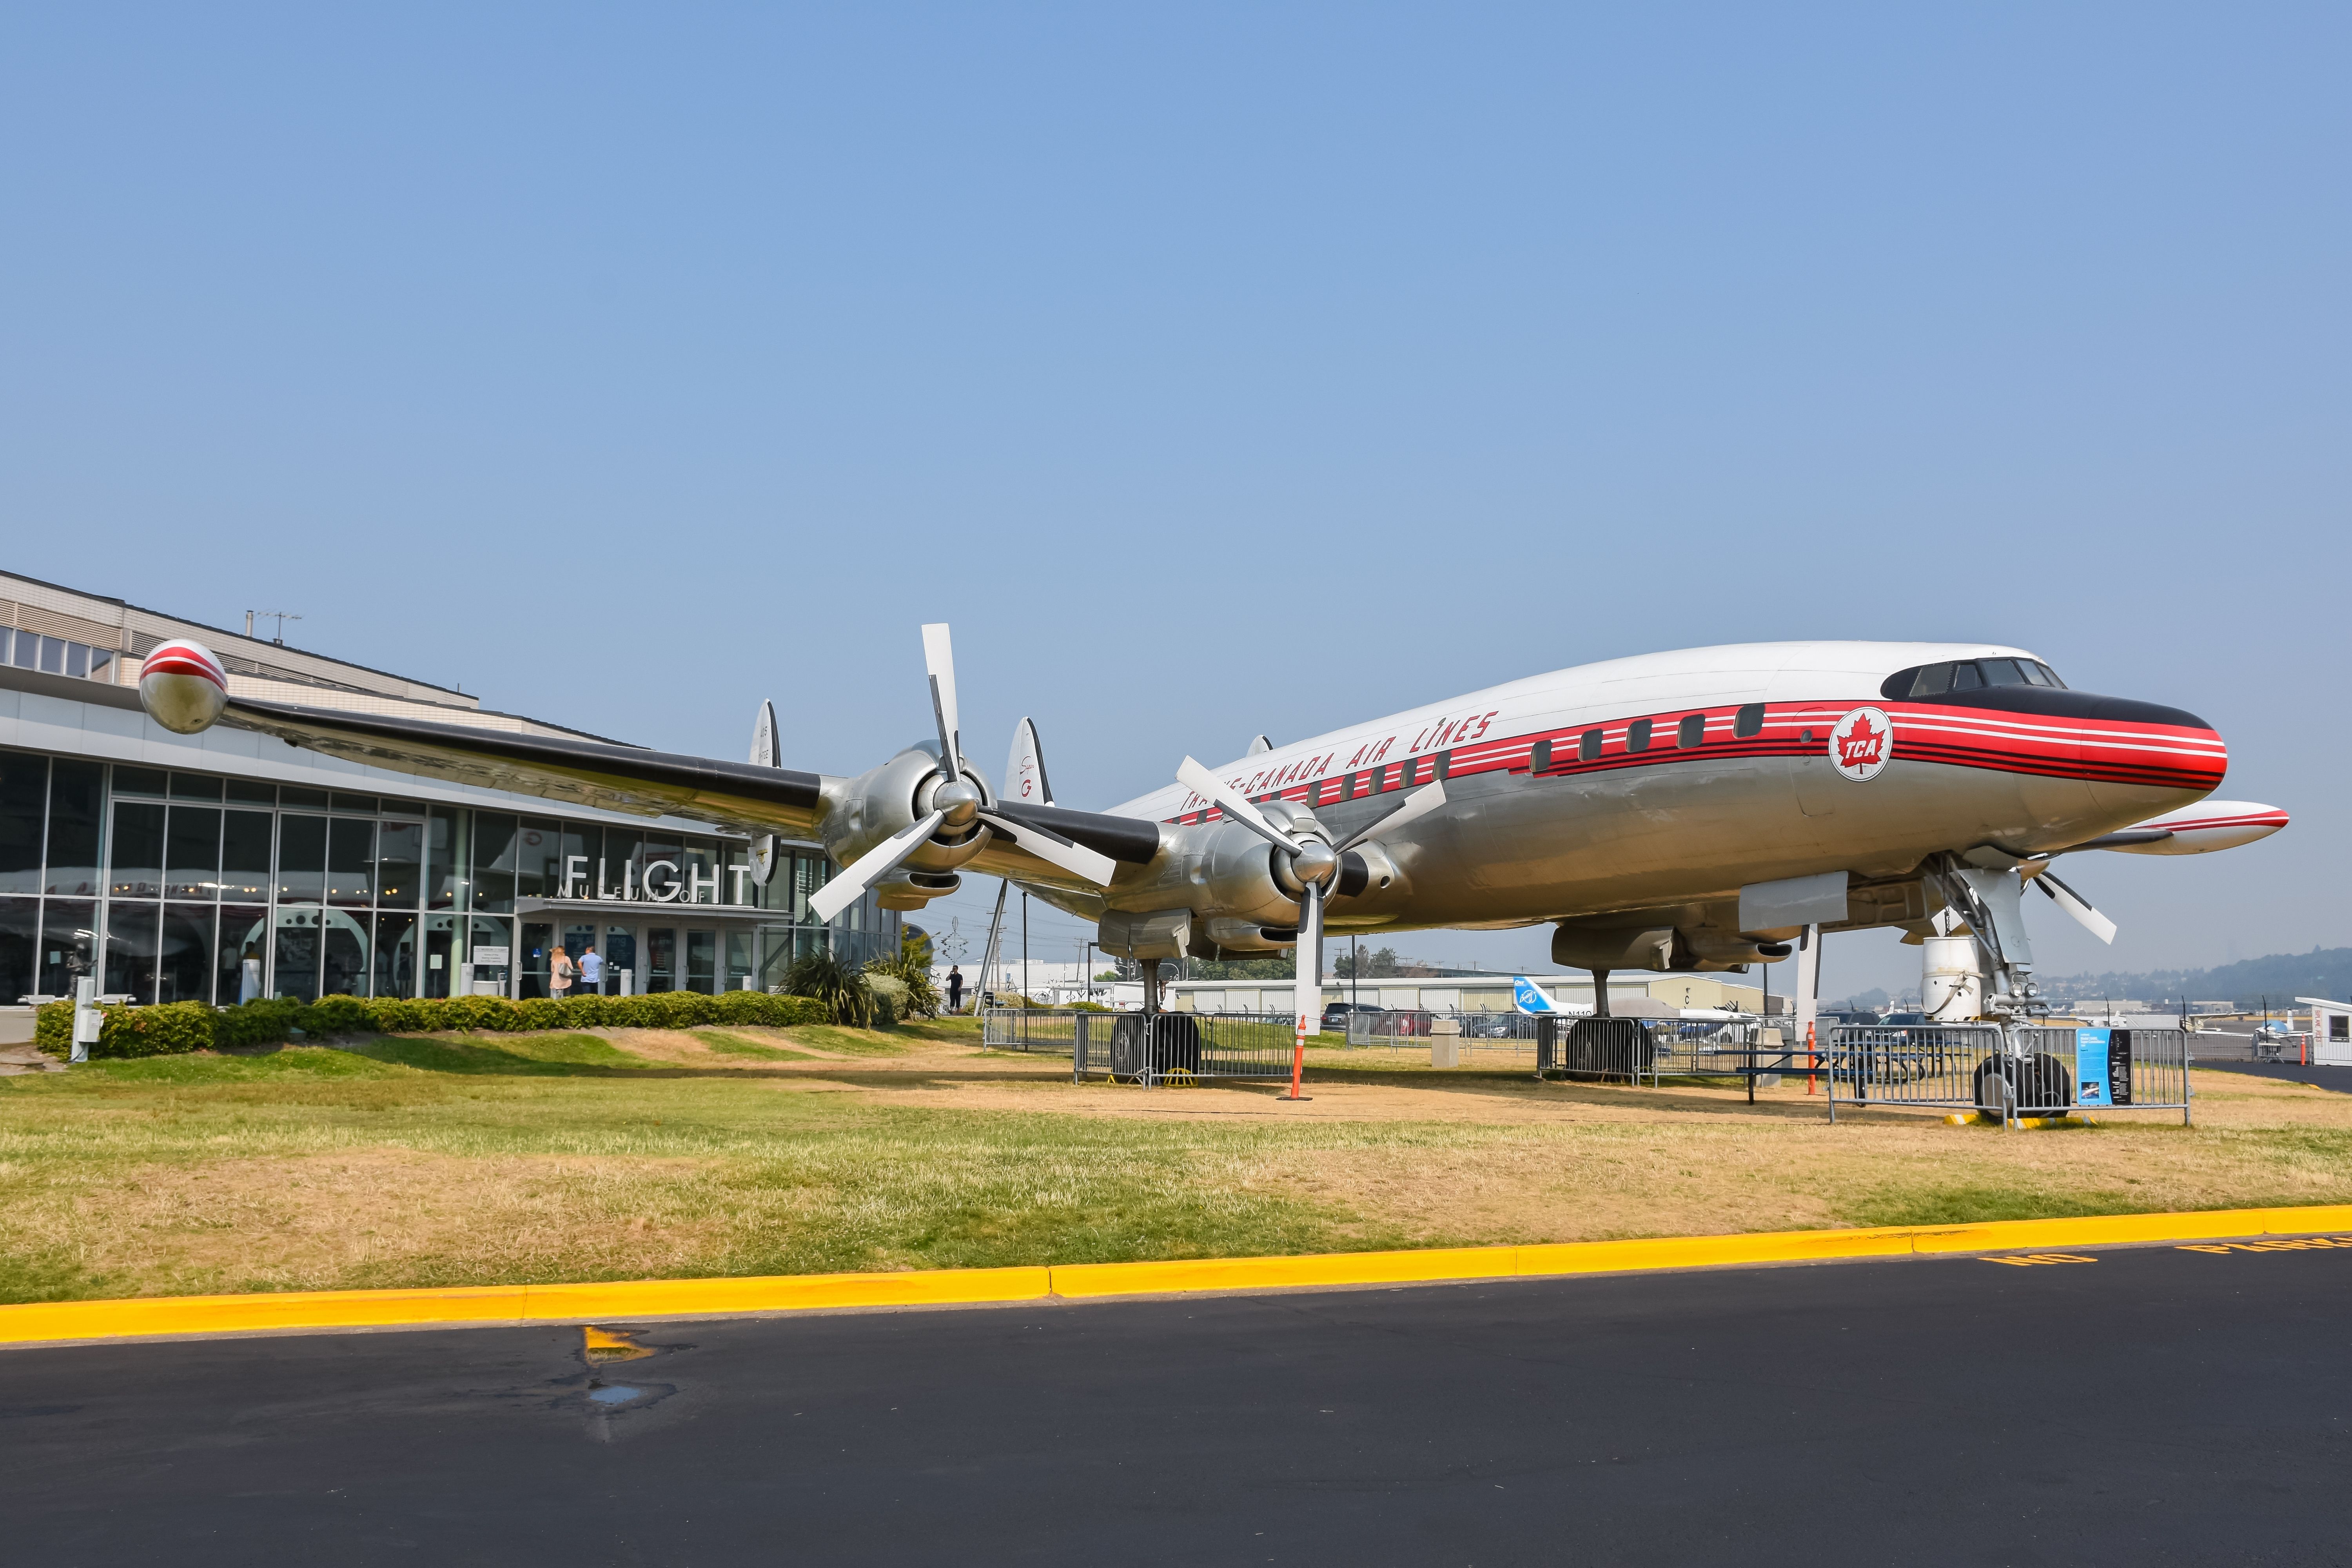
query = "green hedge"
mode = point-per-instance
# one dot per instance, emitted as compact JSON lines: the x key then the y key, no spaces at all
{"x":177,"y":1026}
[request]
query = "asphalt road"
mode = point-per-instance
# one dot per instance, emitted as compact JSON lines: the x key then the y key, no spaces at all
{"x":2334,"y":1077}
{"x":2150,"y":1407}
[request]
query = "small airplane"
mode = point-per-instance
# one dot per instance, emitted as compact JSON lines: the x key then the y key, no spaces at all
{"x":1701,"y":809}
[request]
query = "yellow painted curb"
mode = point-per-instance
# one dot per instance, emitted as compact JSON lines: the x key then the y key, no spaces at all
{"x":636,"y":1299}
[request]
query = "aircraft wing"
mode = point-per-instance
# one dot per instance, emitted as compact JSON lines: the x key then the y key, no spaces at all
{"x":559,"y":768}
{"x":742,"y":795}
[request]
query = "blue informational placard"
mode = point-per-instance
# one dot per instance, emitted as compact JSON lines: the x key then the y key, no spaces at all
{"x":2090,"y":1086}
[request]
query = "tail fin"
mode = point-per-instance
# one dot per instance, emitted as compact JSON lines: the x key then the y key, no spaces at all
{"x":1025,"y":770}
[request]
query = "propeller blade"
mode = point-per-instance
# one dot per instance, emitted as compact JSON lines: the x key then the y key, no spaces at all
{"x":1068,"y":853}
{"x":1309,"y":968}
{"x":939,"y":658}
{"x":2074,"y":904}
{"x":1233,"y":803}
{"x":1419,"y":803}
{"x":872,"y":867}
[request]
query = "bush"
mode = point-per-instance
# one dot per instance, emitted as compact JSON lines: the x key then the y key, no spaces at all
{"x":910,"y":971}
{"x":842,"y":990}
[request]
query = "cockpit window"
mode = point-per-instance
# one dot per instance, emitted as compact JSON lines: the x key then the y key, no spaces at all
{"x":1968,"y":675}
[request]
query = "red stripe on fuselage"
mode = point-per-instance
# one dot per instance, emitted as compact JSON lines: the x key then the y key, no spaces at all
{"x":2163,"y":756}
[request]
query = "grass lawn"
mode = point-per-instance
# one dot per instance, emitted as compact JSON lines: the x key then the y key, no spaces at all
{"x":638,"y":1154}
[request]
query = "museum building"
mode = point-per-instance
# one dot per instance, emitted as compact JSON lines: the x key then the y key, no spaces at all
{"x":227,"y":866}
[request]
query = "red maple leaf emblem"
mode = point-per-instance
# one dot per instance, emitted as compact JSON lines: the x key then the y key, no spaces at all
{"x":1861,"y":746}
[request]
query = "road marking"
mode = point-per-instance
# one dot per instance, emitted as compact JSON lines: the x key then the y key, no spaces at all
{"x":2295,"y":1244}
{"x":2030,"y":1258}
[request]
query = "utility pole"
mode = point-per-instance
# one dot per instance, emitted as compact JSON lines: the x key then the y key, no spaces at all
{"x":1024,"y":945}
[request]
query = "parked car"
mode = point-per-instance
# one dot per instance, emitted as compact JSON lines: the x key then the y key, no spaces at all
{"x":1335,"y":1015}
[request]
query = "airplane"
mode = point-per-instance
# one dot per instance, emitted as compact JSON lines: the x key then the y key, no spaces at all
{"x":1699,"y":809}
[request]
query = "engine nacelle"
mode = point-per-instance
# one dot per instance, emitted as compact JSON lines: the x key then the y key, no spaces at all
{"x":860,"y":813}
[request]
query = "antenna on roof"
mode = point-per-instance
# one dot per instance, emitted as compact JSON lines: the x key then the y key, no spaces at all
{"x":280,"y":617}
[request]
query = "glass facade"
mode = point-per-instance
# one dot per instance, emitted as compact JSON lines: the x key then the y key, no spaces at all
{"x":174,"y":886}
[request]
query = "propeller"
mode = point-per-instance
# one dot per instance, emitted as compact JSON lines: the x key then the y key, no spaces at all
{"x":2074,"y":904}
{"x":956,"y":803}
{"x":1313,"y":862}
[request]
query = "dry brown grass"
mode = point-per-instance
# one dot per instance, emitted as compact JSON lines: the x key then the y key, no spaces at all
{"x":649,"y":1153}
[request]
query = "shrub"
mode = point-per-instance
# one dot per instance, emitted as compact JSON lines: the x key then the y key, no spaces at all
{"x":839,"y":989}
{"x":263,"y":1022}
{"x":338,"y":1015}
{"x":911,"y":968}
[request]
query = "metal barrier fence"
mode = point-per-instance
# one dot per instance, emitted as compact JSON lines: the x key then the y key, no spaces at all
{"x":2039,"y":1071}
{"x":1171,"y":1048}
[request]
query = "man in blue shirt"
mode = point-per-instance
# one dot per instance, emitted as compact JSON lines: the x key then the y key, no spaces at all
{"x":592,"y":970}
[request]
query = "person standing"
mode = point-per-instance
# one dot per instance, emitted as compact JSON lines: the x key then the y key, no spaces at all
{"x":592,"y":970}
{"x":955,"y":989}
{"x":561,"y":984}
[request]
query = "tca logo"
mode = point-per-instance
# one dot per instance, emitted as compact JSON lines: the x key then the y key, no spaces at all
{"x":1861,"y":744}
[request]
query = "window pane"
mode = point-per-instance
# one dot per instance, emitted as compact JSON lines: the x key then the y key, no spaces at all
{"x":363,"y":804}
{"x":399,"y":865}
{"x":342,"y":954}
{"x":538,"y":854}
{"x":586,"y":841}
{"x":2051,"y":676}
{"x":351,"y":856}
{"x":702,"y":871}
{"x":444,"y":850}
{"x":1965,"y":678}
{"x":661,"y":960}
{"x":625,"y":861}
{"x":76,"y":659}
{"x":245,"y":854}
{"x":28,"y":650}
{"x":1934,"y":681}
{"x":534,"y":964}
{"x":490,"y":950}
{"x":195,"y":786}
{"x":1749,"y":722}
{"x":191,"y":853}
{"x":1637,"y":735}
{"x":494,"y":861}
{"x":2034,"y":674}
{"x":20,"y":930}
{"x":701,"y":960}
{"x":2001,"y":672}
{"x":139,"y":780}
{"x":248,"y":793}
{"x":130,"y":937}
{"x":739,"y":959}
{"x":1588,"y":746}
{"x":395,"y":955}
{"x":23,"y":805}
{"x":621,"y":955}
{"x":53,"y":656}
{"x":294,"y":795}
{"x":1691,"y":730}
{"x":441,"y":943}
{"x":297,"y":971}
{"x":301,"y":866}
{"x":135,"y":868}
{"x":68,"y":944}
{"x":76,"y":792}
{"x":101,"y":665}
{"x":239,"y":964}
{"x":184,"y":968}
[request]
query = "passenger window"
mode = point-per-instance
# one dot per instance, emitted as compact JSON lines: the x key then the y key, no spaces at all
{"x":1749,"y":722}
{"x":1637,"y":735}
{"x":1965,"y":678}
{"x":1539,"y":757}
{"x":2001,"y":672}
{"x":1588,"y":747}
{"x":1691,"y":730}
{"x":1934,"y":681}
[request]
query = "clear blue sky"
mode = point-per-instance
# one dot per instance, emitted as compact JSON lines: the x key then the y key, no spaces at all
{"x":1212,"y":370}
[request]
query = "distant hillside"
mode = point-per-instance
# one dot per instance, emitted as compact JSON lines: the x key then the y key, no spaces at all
{"x":2322,"y":971}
